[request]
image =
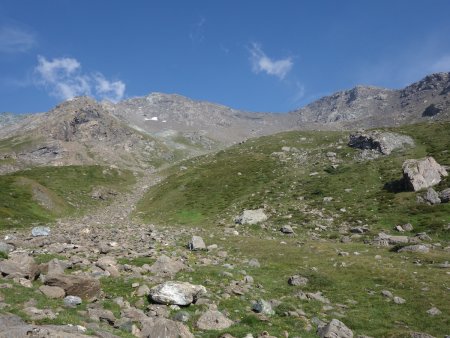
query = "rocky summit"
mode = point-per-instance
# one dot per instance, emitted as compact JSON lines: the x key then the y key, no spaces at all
{"x":162,"y":216}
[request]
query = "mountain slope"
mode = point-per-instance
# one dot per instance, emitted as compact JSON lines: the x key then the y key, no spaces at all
{"x":204,"y":123}
{"x":78,"y":132}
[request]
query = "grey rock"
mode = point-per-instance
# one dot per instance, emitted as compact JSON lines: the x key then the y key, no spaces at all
{"x":297,"y":280}
{"x":166,"y":266}
{"x":445,"y":195}
{"x":359,"y":230}
{"x":387,"y":294}
{"x":420,"y":335}
{"x":393,"y":240}
{"x":335,"y":329}
{"x":432,"y":197}
{"x":55,"y":266}
{"x":382,"y":142}
{"x":182,"y":316}
{"x":176,"y":293}
{"x":196,"y":243}
{"x":415,"y":248}
{"x":99,"y":314}
{"x":407,"y":227}
{"x":264,"y":307}
{"x":434,"y":311}
{"x":6,"y":248}
{"x":72,"y":301}
{"x":422,"y":173}
{"x":213,"y":320}
{"x":40,"y":231}
{"x":254,"y":263}
{"x":251,"y":217}
{"x":143,"y":290}
{"x":287,"y":229}
{"x":399,"y":300}
{"x":162,"y":328}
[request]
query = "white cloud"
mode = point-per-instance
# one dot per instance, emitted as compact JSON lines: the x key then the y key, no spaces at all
{"x":197,"y":33}
{"x":262,"y":63}
{"x":16,"y":40}
{"x":64,"y":80}
{"x":112,"y":91}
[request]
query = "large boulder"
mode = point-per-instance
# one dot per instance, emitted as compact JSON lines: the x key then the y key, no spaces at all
{"x":176,"y":293}
{"x":335,"y":329}
{"x":75,"y":285}
{"x":382,"y":142}
{"x":422,"y":173}
{"x":20,"y":266}
{"x":162,"y":327}
{"x":251,"y":217}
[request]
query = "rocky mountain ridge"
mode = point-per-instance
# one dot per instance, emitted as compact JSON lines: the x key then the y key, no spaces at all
{"x":144,"y":132}
{"x":368,"y":106}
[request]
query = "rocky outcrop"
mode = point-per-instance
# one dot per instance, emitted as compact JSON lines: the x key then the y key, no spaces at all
{"x":422,"y":173}
{"x":382,"y":142}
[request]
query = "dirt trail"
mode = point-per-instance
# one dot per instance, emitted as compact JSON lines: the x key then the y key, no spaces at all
{"x":119,"y":212}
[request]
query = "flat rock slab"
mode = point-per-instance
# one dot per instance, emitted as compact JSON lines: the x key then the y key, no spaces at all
{"x":75,"y":285}
{"x":13,"y":326}
{"x":176,"y":293}
{"x":52,"y":291}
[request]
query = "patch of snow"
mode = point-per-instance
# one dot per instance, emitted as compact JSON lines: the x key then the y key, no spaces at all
{"x":154,"y":118}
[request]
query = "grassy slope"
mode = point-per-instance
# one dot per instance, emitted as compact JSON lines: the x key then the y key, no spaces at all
{"x":62,"y":191}
{"x":211,"y":191}
{"x":216,"y":187}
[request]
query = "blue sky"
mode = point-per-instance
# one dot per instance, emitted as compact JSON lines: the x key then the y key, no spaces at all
{"x":255,"y":55}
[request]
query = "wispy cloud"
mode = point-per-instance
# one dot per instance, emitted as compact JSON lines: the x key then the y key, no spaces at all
{"x":64,"y":79}
{"x":197,"y":33}
{"x":16,"y":40}
{"x":262,"y":63}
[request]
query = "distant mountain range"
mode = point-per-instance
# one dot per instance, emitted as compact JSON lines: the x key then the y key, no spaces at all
{"x":145,"y":132}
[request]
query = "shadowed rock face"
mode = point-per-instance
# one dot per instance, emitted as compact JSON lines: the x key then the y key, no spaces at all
{"x":383,"y":142}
